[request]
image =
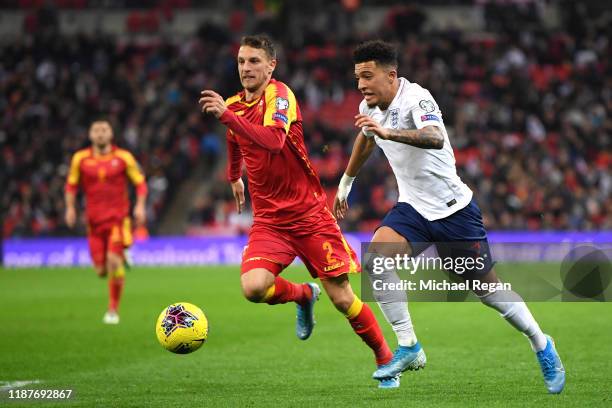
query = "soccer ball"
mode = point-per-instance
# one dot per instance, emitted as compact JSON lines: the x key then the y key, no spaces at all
{"x":182,"y":328}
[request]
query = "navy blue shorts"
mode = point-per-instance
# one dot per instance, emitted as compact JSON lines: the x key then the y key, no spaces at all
{"x":461,"y":234}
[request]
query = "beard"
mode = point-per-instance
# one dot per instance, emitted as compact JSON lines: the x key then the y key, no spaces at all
{"x":101,"y":145}
{"x":253,"y":84}
{"x":252,"y":87}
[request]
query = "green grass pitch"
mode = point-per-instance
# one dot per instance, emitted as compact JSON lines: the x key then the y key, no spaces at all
{"x":52,"y":332}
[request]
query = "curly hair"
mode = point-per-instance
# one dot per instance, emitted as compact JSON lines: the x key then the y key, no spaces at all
{"x":381,"y":52}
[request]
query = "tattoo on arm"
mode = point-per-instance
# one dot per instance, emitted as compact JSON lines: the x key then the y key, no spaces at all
{"x":430,"y":137}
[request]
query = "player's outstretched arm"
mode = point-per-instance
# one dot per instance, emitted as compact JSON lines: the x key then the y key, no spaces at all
{"x":429,"y":137}
{"x":362,"y":148}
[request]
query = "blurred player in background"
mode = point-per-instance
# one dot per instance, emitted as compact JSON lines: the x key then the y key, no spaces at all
{"x":290,"y":213}
{"x":434,"y":206}
{"x":102,"y":171}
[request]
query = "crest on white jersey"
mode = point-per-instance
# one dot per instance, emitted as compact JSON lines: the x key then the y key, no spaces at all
{"x":394,"y":116}
{"x":426,"y":178}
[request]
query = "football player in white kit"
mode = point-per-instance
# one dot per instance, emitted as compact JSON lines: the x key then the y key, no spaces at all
{"x":434,"y":206}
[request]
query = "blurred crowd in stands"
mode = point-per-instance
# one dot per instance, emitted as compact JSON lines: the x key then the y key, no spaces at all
{"x":527,"y":111}
{"x":53,"y":86}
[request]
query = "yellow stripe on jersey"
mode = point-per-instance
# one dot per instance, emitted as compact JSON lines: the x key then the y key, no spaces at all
{"x":281,"y":106}
{"x":132,"y":169}
{"x":74,"y":175}
{"x":232,"y":99}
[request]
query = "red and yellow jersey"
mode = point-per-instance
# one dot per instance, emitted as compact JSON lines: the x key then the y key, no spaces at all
{"x":266,"y":134}
{"x":104,"y":182}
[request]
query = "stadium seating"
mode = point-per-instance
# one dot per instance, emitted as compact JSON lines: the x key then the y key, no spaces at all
{"x":528,"y":116}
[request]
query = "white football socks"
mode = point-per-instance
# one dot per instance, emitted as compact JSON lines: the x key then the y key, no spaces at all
{"x":512,"y":308}
{"x":398,"y":317}
{"x":393,"y":304}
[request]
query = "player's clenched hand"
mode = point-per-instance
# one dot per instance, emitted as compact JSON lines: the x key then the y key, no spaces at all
{"x":140,"y":215}
{"x":238,"y":190}
{"x":212,"y":103}
{"x":371,"y":125}
{"x":70,"y":217}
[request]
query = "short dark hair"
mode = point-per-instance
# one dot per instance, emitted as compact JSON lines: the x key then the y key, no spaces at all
{"x":101,"y":119}
{"x":381,"y":52}
{"x":260,"y":41}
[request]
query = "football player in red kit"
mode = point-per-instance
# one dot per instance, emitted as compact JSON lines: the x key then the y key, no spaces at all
{"x":102,"y":171}
{"x":291,"y":218}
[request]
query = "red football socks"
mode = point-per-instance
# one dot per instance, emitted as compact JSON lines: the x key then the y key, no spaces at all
{"x":115,"y":287}
{"x":364,"y":323}
{"x":284,"y":291}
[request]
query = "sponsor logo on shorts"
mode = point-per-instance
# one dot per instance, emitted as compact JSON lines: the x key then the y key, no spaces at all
{"x":429,"y":116}
{"x":281,"y":117}
{"x":333,"y":266}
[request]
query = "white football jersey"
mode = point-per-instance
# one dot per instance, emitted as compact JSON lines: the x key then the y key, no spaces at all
{"x":427,"y":178}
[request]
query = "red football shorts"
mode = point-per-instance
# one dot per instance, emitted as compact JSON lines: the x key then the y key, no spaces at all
{"x":317,"y":240}
{"x":108,"y":237}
